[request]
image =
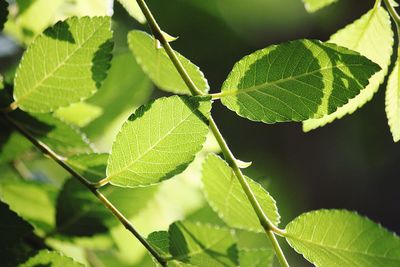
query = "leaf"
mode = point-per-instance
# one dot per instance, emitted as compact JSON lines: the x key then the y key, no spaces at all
{"x":255,"y":250}
{"x":225,"y":195}
{"x":50,"y":259}
{"x":3,"y":17}
{"x":202,"y":244}
{"x":12,"y":227}
{"x":89,"y":8}
{"x":62,"y":138}
{"x":393,"y":102}
{"x":33,"y":201}
{"x":295,"y":81}
{"x":157,"y":65}
{"x":31,"y":18}
{"x":315,"y":5}
{"x":91,"y":166}
{"x":160,"y":241}
{"x":64,"y":65}
{"x":12,"y":144}
{"x":372,"y":36}
{"x":159,"y":141}
{"x":79,"y":213}
{"x":133,"y":9}
{"x":342,"y":238}
{"x":13,"y":231}
{"x":133,"y":90}
{"x":79,"y":114}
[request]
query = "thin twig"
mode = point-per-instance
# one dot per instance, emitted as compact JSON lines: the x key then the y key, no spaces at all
{"x":268,"y":226}
{"x":60,"y":160}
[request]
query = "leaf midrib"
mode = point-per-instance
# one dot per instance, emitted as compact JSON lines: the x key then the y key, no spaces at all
{"x":237,"y":91}
{"x":127,"y":167}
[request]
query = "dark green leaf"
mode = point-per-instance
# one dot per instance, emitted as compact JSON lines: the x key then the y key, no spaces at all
{"x":295,"y":81}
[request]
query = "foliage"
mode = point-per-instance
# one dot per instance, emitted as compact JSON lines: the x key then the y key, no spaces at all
{"x":122,"y":167}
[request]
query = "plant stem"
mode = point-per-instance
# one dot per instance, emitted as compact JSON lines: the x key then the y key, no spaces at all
{"x":13,"y":106}
{"x":268,"y":226}
{"x":60,"y":160}
{"x":392,"y":12}
{"x":158,"y":34}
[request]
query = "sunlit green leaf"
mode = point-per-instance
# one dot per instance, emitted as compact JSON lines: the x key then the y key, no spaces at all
{"x":157,"y":65}
{"x":393,"y":102}
{"x":225,"y":195}
{"x":202,"y":245}
{"x":79,"y":114}
{"x":295,"y":81}
{"x":159,"y":140}
{"x":66,"y":64}
{"x":133,"y":9}
{"x":133,"y":91}
{"x":315,"y":5}
{"x":343,"y":238}
{"x":32,"y":18}
{"x":50,"y":259}
{"x":372,"y":36}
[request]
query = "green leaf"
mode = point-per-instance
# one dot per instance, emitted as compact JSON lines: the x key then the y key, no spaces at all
{"x":342,"y":238}
{"x":372,"y":36}
{"x":91,"y":166}
{"x":159,"y":141}
{"x":393,"y":102}
{"x":134,"y":10}
{"x":225,"y":195}
{"x":160,"y":241}
{"x":133,"y":91}
{"x":3,"y":16}
{"x":50,"y":259}
{"x":79,"y":114}
{"x":59,"y":136}
{"x":255,"y":250}
{"x":315,"y":5}
{"x":295,"y":81}
{"x":12,"y":144}
{"x":202,"y":244}
{"x":31,"y":18}
{"x":66,"y":64}
{"x":33,"y":201}
{"x":157,"y":65}
{"x":12,"y":227}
